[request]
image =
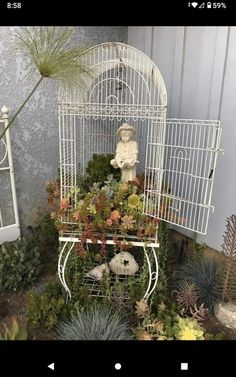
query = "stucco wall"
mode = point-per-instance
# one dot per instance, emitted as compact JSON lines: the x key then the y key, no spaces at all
{"x":34,"y":133}
{"x":198,"y":67}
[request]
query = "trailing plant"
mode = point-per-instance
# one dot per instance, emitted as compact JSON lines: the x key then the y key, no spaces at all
{"x":188,"y":329}
{"x":45,"y":235}
{"x":15,"y":332}
{"x":98,"y":322}
{"x":19,"y":264}
{"x":228,"y":249}
{"x":46,"y":307}
{"x":204,"y":274}
{"x":52,"y":54}
{"x":164,"y":252}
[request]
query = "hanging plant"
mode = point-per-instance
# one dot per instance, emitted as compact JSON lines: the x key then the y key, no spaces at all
{"x":52,"y":56}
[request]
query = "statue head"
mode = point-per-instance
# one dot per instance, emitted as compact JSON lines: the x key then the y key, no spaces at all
{"x":126,"y":132}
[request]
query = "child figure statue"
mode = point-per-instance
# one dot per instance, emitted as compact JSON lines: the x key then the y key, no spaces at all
{"x":126,"y":153}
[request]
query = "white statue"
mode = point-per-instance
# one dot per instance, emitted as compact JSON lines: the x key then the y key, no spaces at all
{"x":126,"y":153}
{"x":123,"y":263}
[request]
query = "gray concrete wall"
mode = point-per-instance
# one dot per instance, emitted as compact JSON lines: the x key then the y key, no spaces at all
{"x":198,"y":66}
{"x":34,"y":133}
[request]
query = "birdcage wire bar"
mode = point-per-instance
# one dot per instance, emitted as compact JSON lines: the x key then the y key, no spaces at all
{"x":179,"y":189}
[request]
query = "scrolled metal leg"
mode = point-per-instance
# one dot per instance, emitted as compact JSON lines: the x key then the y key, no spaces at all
{"x":153,"y":273}
{"x":62,"y":262}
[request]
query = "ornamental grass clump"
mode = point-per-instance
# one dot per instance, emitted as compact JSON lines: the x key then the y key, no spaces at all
{"x":95,"y":323}
{"x":204,"y":274}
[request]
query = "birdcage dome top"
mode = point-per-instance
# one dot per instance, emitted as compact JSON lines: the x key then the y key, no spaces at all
{"x":114,"y":55}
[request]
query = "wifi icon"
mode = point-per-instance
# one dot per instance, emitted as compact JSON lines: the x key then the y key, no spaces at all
{"x":194,"y":4}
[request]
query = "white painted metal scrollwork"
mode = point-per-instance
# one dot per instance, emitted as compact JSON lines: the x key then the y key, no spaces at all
{"x":62,"y":262}
{"x":152,"y":264}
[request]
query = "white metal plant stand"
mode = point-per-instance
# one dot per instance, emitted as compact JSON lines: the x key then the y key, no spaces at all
{"x":148,"y":250}
{"x":178,"y":156}
{"x":9,"y":218}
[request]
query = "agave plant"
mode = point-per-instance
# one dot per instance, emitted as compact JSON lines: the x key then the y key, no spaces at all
{"x":51,"y":52}
{"x":95,"y":323}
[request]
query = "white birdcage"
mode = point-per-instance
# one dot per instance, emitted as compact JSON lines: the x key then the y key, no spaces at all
{"x":178,"y":156}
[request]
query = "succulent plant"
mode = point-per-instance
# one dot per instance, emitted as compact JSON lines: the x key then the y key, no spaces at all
{"x":142,"y":308}
{"x":186,"y":295}
{"x":95,"y":323}
{"x":188,"y":329}
{"x":15,"y":332}
{"x":199,"y":312}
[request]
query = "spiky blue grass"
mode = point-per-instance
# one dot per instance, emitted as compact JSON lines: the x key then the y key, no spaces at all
{"x":95,"y":323}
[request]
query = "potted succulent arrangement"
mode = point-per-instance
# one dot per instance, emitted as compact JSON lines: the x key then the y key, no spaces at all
{"x":111,"y":207}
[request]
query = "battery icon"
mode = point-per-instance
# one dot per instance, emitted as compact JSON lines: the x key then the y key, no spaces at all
{"x":208,"y":5}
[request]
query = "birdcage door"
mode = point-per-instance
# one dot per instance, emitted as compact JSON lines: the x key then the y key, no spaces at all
{"x":179,"y":174}
{"x":9,"y":219}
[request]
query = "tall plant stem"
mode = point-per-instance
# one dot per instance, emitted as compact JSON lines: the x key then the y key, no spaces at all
{"x":21,"y":107}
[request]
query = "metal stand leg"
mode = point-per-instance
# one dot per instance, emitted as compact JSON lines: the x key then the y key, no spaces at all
{"x":152,"y":271}
{"x":62,"y":261}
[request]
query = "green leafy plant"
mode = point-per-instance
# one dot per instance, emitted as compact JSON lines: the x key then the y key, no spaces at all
{"x":15,"y":332}
{"x":51,"y":52}
{"x":99,"y":168}
{"x":188,"y":329}
{"x":46,"y":307}
{"x":204,"y":274}
{"x":228,"y":248}
{"x":19,"y":264}
{"x":98,"y":322}
{"x":45,"y":235}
